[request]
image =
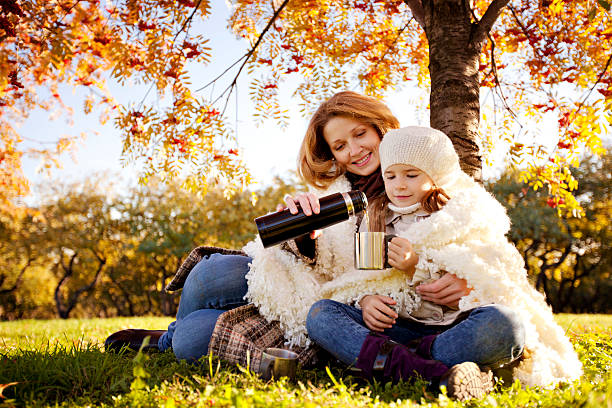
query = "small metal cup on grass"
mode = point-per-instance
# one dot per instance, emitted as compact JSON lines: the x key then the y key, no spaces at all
{"x":277,"y":362}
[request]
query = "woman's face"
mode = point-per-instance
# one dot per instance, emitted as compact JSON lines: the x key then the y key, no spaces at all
{"x":406,"y":185}
{"x":353,"y":144}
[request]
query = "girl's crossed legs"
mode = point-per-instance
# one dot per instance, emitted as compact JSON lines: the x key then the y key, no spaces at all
{"x":489,"y":335}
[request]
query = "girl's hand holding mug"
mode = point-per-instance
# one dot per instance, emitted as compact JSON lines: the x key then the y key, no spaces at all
{"x":401,"y":255}
{"x":376,"y":313}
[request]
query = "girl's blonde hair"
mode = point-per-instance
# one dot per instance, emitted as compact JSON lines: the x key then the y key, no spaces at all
{"x":431,"y":202}
{"x":316,"y":164}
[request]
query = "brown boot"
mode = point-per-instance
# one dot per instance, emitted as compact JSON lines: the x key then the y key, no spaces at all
{"x":462,"y":381}
{"x":465,"y":381}
{"x":133,"y":339}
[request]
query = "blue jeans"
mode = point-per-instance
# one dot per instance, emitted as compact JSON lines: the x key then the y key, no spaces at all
{"x":216,"y":284}
{"x":489,"y":336}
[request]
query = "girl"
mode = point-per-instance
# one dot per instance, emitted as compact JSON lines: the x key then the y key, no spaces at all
{"x":454,"y":227}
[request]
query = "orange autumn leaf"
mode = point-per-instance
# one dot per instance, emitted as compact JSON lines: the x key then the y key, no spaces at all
{"x":5,"y":386}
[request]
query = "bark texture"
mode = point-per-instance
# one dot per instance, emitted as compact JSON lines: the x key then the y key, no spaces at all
{"x":453,"y":67}
{"x":455,"y":42}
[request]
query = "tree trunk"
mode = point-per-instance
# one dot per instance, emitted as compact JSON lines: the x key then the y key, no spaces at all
{"x":149,"y":308}
{"x":68,"y":270}
{"x":455,"y":38}
{"x":64,"y":309}
{"x":166,"y":299}
{"x":453,"y":67}
{"x":125,"y":294}
{"x":17,"y":281}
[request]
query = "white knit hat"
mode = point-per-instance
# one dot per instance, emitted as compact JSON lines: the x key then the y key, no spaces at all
{"x":426,"y":148}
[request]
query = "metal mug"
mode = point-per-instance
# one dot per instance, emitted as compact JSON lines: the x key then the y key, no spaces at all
{"x":371,"y":250}
{"x":277,"y":362}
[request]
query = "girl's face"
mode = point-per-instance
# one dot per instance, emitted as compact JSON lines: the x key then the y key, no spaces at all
{"x":353,"y":144}
{"x":406,"y":185}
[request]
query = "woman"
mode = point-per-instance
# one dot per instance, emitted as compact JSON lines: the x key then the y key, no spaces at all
{"x":218,"y":282}
{"x":339,"y":153}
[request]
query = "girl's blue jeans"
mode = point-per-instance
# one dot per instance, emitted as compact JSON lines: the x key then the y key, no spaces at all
{"x":488,"y":335}
{"x":216,"y":284}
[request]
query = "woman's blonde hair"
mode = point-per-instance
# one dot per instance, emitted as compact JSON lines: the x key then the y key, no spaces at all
{"x":316,"y":163}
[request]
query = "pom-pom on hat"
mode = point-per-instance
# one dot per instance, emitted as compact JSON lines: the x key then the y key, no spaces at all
{"x":426,"y":148}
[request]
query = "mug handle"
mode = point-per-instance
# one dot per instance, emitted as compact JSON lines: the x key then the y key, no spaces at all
{"x":388,"y":237}
{"x":266,"y":369}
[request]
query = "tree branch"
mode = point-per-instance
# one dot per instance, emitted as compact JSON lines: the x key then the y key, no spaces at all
{"x":18,"y":281}
{"x":124,"y":291}
{"x":188,"y":21}
{"x":160,"y":264}
{"x":223,"y":73}
{"x":526,"y":254}
{"x":98,"y":256}
{"x":68,"y":269}
{"x":58,"y":22}
{"x":90,"y":285}
{"x":417,"y":11}
{"x":525,"y":32}
{"x":539,"y":54}
{"x":231,"y":86}
{"x":582,"y":266}
{"x":498,"y":87}
{"x":185,"y":24}
{"x":601,"y":74}
{"x":564,"y":255}
{"x":498,"y":83}
{"x":486,"y":22}
{"x":77,"y":294}
{"x":57,"y":294}
{"x":399,"y":34}
{"x":542,"y":281}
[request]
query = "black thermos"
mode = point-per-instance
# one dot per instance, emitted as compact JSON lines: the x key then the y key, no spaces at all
{"x":282,"y":226}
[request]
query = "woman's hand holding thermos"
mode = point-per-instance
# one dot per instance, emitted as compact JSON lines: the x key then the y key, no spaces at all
{"x":315,"y":214}
{"x":309,"y":203}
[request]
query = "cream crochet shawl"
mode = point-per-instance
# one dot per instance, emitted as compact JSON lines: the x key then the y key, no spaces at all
{"x":466,"y":238}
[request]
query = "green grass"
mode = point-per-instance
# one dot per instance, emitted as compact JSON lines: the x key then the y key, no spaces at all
{"x":61,"y":363}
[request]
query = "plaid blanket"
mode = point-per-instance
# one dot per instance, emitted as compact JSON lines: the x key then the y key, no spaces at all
{"x":240,"y":332}
{"x":194,"y":257}
{"x":243,"y":332}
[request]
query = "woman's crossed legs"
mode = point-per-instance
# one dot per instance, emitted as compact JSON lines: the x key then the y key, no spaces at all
{"x":216,"y":284}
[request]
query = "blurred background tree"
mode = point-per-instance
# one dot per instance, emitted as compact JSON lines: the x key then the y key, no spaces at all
{"x":87,"y":252}
{"x":80,"y":238}
{"x":25,"y":282}
{"x":569,"y":259}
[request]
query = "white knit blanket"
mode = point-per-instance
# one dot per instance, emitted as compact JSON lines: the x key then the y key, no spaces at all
{"x":466,"y":238}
